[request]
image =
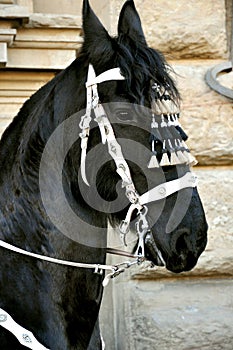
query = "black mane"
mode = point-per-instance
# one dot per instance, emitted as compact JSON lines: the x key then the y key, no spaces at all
{"x":142,"y":65}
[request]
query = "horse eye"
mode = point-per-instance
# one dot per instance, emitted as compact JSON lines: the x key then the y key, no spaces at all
{"x":124,"y":115}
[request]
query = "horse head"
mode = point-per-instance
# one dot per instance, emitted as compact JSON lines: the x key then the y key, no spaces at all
{"x":143,"y":110}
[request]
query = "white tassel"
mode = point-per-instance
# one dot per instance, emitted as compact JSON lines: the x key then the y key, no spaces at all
{"x":181,"y":156}
{"x":163,"y":123}
{"x":170,"y":120}
{"x":191,"y":160}
{"x":165,"y":160}
{"x":153,"y":163}
{"x":154,"y":124}
{"x":174,"y":159}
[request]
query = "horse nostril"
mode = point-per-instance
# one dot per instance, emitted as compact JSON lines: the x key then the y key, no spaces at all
{"x":180,"y":243}
{"x":183,"y":256}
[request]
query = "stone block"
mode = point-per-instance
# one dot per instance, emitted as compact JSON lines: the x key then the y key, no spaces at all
{"x":7,"y":35}
{"x":43,"y":48}
{"x":48,"y":38}
{"x":3,"y":54}
{"x":14,"y":12}
{"x":182,"y":29}
{"x":40,"y":58}
{"x":205,"y":115}
{"x":7,"y":2}
{"x":15,"y":89}
{"x":171,"y":315}
{"x":57,"y":6}
{"x":29,"y":4}
{"x":74,"y":8}
{"x":41,"y":20}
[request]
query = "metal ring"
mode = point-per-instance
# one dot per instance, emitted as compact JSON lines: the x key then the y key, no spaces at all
{"x":211,"y":79}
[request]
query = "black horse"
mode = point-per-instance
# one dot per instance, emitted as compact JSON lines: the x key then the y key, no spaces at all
{"x":60,"y":304}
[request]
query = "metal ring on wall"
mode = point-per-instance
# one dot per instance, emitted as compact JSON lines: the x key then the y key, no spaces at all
{"x":212,"y":75}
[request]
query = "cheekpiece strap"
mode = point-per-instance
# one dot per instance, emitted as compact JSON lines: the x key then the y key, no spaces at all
{"x":92,"y":103}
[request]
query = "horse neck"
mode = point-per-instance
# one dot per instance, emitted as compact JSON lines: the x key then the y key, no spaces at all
{"x":22,"y":146}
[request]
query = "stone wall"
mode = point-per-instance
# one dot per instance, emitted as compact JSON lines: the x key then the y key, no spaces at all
{"x":15,"y":89}
{"x":150,"y":308}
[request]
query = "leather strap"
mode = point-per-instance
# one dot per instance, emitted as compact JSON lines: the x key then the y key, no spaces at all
{"x":24,"y":336}
{"x":166,"y":189}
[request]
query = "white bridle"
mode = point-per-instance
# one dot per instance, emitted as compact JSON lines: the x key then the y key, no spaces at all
{"x":136,"y":201}
{"x":107,"y":134}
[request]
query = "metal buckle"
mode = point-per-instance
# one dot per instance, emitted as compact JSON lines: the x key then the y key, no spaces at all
{"x":85,"y":121}
{"x":124,"y":229}
{"x":98,"y":270}
{"x":132,"y":196}
{"x":142,"y":228}
{"x":95,"y":100}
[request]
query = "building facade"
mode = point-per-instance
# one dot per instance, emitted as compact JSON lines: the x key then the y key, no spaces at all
{"x":149,"y":308}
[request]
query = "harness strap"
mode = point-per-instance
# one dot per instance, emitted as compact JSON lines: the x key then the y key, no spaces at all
{"x":85,"y":125}
{"x":24,"y":336}
{"x":157,"y":193}
{"x":115,"y":151}
{"x":96,"y":267}
{"x":93,"y":103}
{"x":164,"y":190}
{"x":111,"y":74}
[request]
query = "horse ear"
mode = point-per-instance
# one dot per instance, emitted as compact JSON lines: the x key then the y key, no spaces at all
{"x":95,"y":35}
{"x":130,"y":23}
